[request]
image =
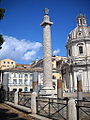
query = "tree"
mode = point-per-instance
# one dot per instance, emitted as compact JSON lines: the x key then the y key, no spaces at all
{"x":1,"y":40}
{"x":2,"y":11}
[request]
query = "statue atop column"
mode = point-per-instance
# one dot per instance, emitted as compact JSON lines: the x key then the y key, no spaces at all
{"x":46,"y":11}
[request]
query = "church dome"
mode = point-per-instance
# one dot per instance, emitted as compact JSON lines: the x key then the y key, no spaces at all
{"x":82,"y":30}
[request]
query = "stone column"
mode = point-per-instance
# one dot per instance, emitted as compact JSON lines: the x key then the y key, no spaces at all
{"x":71,"y":83}
{"x":47,"y":54}
{"x":59,"y":88}
{"x":5,"y":80}
{"x":72,"y":113}
{"x":16,"y":98}
{"x":33,"y":102}
{"x":1,"y":79}
{"x":35,"y":82}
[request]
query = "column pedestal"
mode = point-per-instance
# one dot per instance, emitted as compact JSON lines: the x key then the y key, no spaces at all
{"x":47,"y":91}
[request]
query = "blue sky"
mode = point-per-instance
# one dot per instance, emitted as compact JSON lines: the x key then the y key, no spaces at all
{"x":23,"y":33}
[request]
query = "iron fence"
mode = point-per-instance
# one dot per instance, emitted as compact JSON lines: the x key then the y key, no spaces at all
{"x":24,"y":99}
{"x":83,"y":109}
{"x":56,"y":109}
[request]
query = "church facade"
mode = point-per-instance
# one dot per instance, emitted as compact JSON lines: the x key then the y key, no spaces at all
{"x":78,"y":54}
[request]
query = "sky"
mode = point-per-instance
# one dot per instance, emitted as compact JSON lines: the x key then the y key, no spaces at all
{"x":23,"y":34}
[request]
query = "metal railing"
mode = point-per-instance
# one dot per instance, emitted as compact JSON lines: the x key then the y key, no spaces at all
{"x":83,"y":109}
{"x":24,"y":99}
{"x":56,"y":109}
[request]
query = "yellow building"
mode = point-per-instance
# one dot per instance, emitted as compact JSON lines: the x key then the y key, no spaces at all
{"x":7,"y":63}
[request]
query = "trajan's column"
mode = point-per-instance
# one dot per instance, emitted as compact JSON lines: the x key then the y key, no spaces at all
{"x":46,"y":24}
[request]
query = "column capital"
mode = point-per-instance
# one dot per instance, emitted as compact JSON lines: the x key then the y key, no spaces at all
{"x":46,"y":19}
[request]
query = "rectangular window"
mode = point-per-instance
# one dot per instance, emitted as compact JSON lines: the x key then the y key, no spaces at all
{"x":80,"y":21}
{"x":15,"y":75}
{"x":80,"y":49}
{"x":25,"y":75}
{"x":26,"y":82}
{"x":14,"y":81}
{"x":20,"y":75}
{"x":20,"y":81}
{"x":31,"y":77}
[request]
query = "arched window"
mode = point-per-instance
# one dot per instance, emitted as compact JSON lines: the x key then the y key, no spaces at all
{"x":53,"y":77}
{"x":79,"y":33}
{"x":26,"y":89}
{"x":80,"y":21}
{"x":69,"y":52}
{"x":80,"y":49}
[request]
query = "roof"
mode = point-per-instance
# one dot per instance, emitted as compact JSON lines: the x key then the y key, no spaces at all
{"x":23,"y":64}
{"x":7,"y":59}
{"x":37,"y":69}
{"x":79,"y":32}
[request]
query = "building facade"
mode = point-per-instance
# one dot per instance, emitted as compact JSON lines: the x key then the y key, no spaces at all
{"x":18,"y":79}
{"x":78,"y":53}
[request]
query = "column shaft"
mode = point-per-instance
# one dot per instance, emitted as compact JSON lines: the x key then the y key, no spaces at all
{"x":47,"y":56}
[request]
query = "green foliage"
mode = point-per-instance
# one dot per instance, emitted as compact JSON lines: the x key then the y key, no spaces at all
{"x":1,"y":40}
{"x":2,"y":11}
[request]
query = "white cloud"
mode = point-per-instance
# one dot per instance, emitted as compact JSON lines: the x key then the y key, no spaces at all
{"x":56,"y":52}
{"x":19,"y":50}
{"x":29,"y":55}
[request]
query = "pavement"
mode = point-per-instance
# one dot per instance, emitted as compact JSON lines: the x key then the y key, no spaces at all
{"x":9,"y":113}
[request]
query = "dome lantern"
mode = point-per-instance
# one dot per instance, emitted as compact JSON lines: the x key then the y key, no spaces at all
{"x":81,"y":20}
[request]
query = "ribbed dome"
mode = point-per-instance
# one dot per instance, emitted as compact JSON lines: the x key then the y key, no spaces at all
{"x":82,"y":30}
{"x":79,"y":32}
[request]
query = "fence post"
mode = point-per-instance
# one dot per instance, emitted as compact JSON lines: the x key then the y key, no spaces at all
{"x":77,"y":107}
{"x":49,"y":107}
{"x":16,"y":98}
{"x":33,"y":102}
{"x":72,"y":113}
{"x":79,"y":88}
{"x":59,"y":88}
